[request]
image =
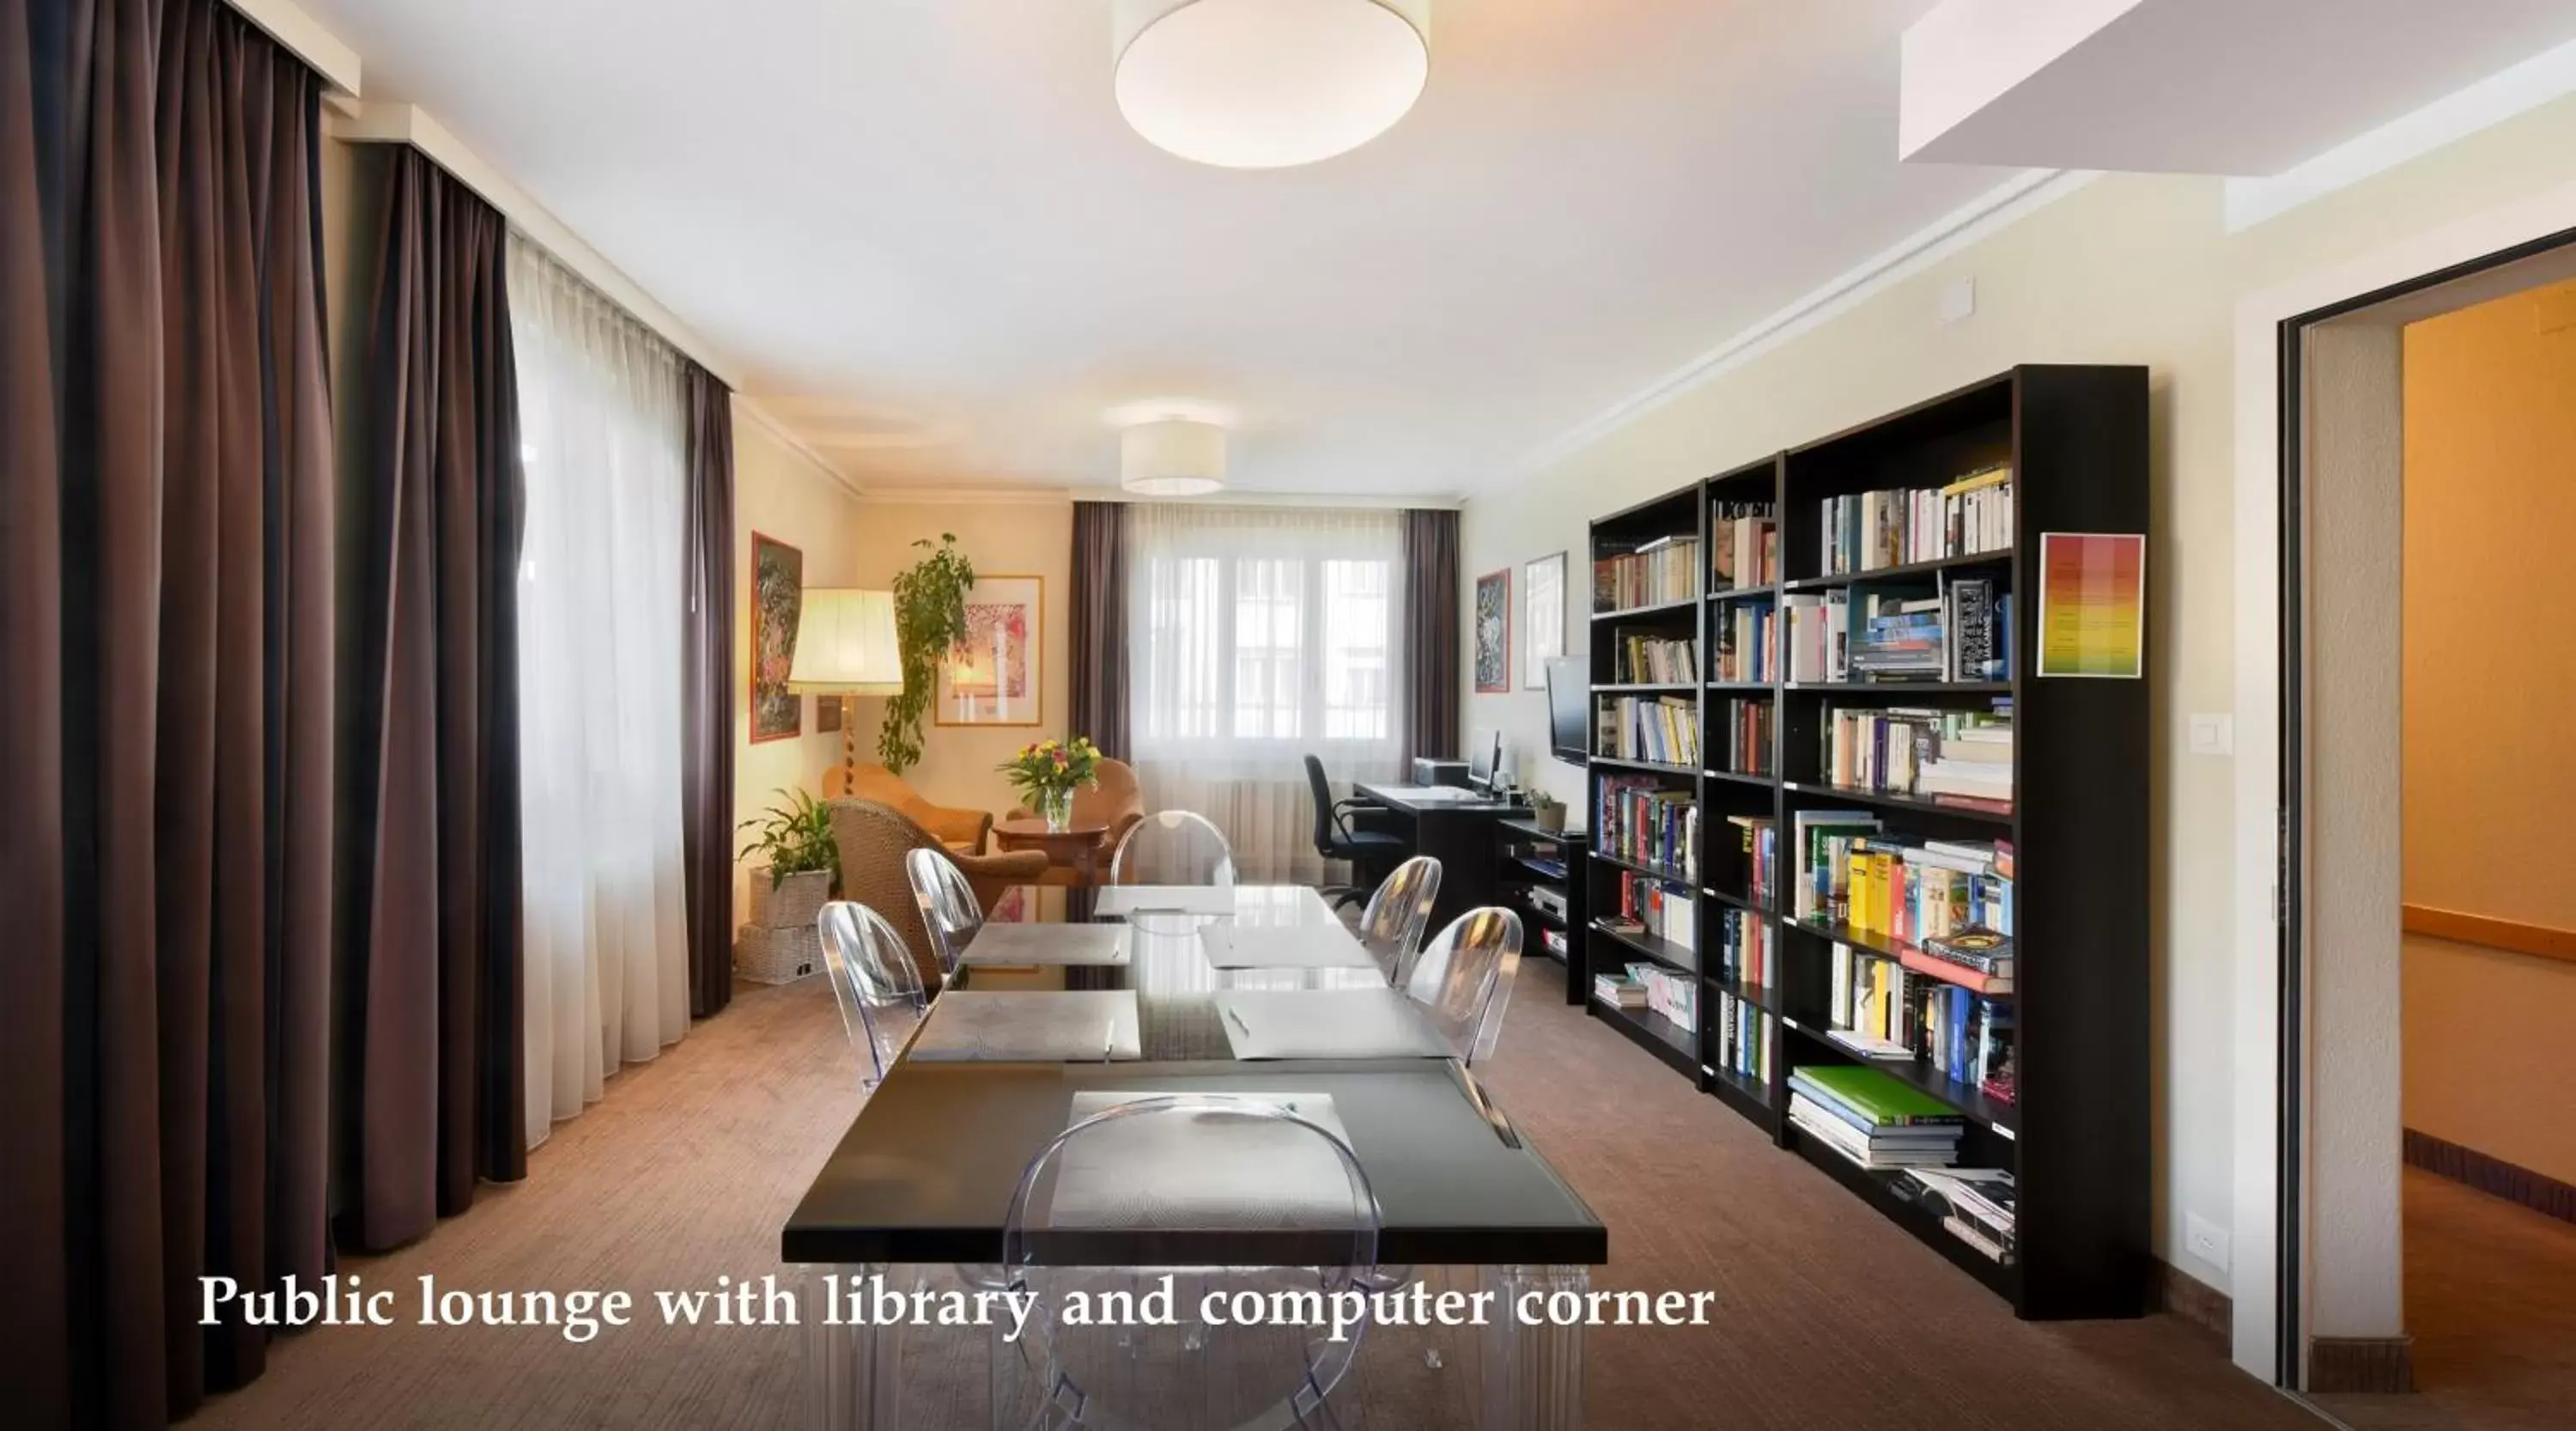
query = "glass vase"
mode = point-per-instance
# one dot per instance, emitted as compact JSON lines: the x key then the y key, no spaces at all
{"x":1056,"y":808}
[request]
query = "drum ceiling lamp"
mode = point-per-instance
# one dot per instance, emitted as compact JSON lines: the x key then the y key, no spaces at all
{"x":1265,"y":84}
{"x":1172,"y":457}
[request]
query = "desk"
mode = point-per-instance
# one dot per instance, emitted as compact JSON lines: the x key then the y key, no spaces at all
{"x":924,"y":1176}
{"x":1459,"y":833}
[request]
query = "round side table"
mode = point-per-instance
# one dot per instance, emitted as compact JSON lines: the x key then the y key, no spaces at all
{"x":1075,"y":848}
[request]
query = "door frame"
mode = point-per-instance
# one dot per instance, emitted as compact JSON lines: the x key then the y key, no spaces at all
{"x":2272,"y":1054}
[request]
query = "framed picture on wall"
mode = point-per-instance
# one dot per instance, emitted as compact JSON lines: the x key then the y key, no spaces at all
{"x":777,"y":600}
{"x":1542,"y":618}
{"x":827,"y":714}
{"x":991,"y":677}
{"x":1493,"y":619}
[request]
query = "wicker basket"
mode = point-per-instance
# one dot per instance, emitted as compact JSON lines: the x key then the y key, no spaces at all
{"x":794,"y":903}
{"x":776,"y":956}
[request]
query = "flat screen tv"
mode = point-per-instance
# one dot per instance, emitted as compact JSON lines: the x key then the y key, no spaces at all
{"x":1569,"y":708}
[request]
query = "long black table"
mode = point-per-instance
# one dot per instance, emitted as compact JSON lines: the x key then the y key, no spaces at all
{"x":924,"y":1176}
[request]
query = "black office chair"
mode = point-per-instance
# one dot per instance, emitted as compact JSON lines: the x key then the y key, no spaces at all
{"x":1371,"y":853}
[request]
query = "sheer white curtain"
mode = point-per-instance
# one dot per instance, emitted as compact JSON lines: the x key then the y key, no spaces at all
{"x":1258,"y":635}
{"x":604,"y":433}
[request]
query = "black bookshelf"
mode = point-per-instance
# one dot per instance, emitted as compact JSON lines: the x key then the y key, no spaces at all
{"x":2075,"y":1133}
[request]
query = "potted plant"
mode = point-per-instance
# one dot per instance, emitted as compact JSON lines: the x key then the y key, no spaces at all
{"x":929,"y":620}
{"x":794,"y":836}
{"x":1046,"y":775}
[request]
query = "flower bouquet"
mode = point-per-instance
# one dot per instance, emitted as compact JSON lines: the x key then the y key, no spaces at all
{"x":1047,"y":773}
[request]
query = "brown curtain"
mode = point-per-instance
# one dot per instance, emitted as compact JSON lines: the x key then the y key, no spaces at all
{"x":707,"y":703}
{"x":431,"y":987}
{"x":1431,"y":674}
{"x":165,"y":425}
{"x":1100,"y":626}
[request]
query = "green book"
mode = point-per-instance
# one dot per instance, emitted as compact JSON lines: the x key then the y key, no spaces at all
{"x":1875,"y":1095}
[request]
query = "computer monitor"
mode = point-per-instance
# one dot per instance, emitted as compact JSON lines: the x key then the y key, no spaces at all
{"x":1484,"y":757}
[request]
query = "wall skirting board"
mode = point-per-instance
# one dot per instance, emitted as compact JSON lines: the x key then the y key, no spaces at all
{"x":2490,"y":1175}
{"x":2375,"y":1364}
{"x":2195,"y":1301}
{"x":2535,"y":939}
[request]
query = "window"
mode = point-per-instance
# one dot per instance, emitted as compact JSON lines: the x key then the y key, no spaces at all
{"x":1265,"y":626}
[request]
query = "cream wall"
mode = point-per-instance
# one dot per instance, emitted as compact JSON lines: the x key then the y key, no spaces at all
{"x":782,"y":493}
{"x":2490,"y":675}
{"x":1005,"y":537}
{"x":2129,"y":269}
{"x":2490,"y":495}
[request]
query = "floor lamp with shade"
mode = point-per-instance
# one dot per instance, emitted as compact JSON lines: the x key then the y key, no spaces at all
{"x":846,"y":646}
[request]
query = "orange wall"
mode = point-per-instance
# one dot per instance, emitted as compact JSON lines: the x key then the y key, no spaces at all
{"x":2490,"y":666}
{"x":2490,"y":692}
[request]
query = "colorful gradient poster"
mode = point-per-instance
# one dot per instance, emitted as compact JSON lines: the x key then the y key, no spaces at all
{"x":2092,"y":604}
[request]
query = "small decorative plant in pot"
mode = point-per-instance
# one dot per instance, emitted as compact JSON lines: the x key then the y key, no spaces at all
{"x":1046,"y":775}
{"x":794,"y":837}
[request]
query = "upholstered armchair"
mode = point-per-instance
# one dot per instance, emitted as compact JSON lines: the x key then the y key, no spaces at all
{"x":962,"y":831}
{"x":874,"y":838}
{"x":1117,"y":803}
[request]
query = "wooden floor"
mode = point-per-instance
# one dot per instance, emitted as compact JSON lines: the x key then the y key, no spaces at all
{"x":683,"y":1174}
{"x":2491,"y":1303}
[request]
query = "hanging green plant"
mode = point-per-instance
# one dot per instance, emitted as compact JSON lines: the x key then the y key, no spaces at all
{"x":929,"y":618}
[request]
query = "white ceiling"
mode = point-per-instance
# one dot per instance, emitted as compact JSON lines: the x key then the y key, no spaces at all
{"x":929,"y":242}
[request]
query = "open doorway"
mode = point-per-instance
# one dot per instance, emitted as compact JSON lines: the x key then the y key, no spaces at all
{"x":2429,"y":1178}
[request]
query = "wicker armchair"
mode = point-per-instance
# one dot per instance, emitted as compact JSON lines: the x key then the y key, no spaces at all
{"x":1118,"y":803}
{"x":874,"y":838}
{"x":962,"y":831}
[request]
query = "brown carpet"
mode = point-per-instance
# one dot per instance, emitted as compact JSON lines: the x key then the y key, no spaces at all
{"x":2491,"y":1303}
{"x":1835,"y":1319}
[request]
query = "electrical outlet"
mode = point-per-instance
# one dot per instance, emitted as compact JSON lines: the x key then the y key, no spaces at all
{"x":2213,"y":735}
{"x":2205,"y":1240}
{"x":1958,"y":300}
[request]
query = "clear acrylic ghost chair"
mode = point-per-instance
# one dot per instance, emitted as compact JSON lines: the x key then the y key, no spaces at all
{"x":1463,"y":980}
{"x":1173,"y":847}
{"x":949,"y":910}
{"x":1192,"y":1165}
{"x":1397,"y":914}
{"x":874,"y":981}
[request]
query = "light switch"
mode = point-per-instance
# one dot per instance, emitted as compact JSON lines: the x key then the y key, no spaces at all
{"x":2213,"y":735}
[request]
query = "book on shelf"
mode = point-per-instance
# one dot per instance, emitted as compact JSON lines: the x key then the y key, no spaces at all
{"x":1873,"y":1097}
{"x":1747,"y":727}
{"x":1618,"y":991}
{"x":1651,"y":906}
{"x":1884,"y":1010}
{"x":1739,"y":1038}
{"x":1642,"y":821}
{"x":1887,"y":750}
{"x":1977,"y":1205}
{"x":1747,"y":951}
{"x":1668,"y":995}
{"x":1554,"y":941}
{"x":1655,"y":572}
{"x":1760,"y":843}
{"x":1868,"y":531}
{"x":1820,"y":841}
{"x":1746,"y":545}
{"x":1974,"y":615}
{"x":1745,"y":640}
{"x":1662,"y":729}
{"x":1647,"y":660}
{"x":1899,"y":889}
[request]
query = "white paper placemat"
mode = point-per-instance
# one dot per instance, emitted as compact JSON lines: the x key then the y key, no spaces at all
{"x":1204,"y":1170}
{"x":1036,"y":1026}
{"x":1235,"y":946}
{"x":1326,"y":1023}
{"x":1121,"y":900}
{"x":1048,"y":944}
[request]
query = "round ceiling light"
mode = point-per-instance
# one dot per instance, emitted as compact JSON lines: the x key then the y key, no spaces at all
{"x":1264,"y":84}
{"x":1175,"y":457}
